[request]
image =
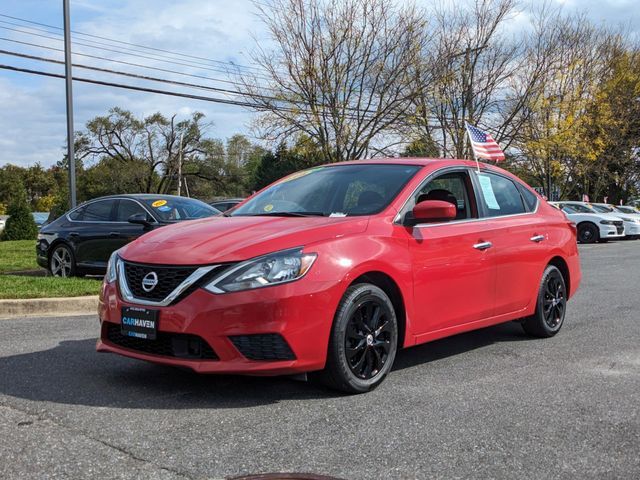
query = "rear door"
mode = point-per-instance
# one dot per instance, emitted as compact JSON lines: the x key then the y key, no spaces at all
{"x":453,"y":262}
{"x":520,"y":240}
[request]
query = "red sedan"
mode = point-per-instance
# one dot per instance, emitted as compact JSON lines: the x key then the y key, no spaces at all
{"x":332,"y":269}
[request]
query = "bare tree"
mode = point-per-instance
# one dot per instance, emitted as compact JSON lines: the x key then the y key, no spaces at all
{"x":340,"y":73}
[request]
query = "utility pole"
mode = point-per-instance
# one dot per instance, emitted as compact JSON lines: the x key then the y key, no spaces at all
{"x":68,"y":80}
{"x":180,"y":167}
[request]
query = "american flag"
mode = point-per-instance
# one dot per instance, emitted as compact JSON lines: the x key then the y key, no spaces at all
{"x":484,"y":146}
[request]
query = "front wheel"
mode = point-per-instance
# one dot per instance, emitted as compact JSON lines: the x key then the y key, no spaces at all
{"x":588,"y":233}
{"x":551,"y":305}
{"x":363,"y":342}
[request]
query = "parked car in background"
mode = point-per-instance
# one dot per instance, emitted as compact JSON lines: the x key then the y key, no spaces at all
{"x":335,"y":268}
{"x":3,"y":221}
{"x":226,"y":203}
{"x":631,"y":220}
{"x":592,"y":226}
{"x":81,"y":241}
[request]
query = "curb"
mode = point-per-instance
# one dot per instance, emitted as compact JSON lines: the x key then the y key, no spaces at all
{"x":49,"y":307}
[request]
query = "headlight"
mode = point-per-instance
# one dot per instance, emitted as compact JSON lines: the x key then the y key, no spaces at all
{"x":112,"y":270}
{"x":627,"y":219}
{"x":272,"y":269}
{"x":607,"y":222}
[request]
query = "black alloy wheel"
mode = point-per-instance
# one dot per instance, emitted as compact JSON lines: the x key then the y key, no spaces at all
{"x":363,"y":341}
{"x":368,"y":338}
{"x":551,"y":306}
{"x":588,"y":233}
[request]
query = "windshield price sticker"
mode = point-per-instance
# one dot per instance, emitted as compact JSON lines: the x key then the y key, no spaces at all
{"x":487,"y":192}
{"x":158,"y":203}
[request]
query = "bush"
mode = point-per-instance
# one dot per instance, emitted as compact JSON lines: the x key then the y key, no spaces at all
{"x":20,"y":224}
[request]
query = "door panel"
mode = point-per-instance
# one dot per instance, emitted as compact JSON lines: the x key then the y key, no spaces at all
{"x":521,"y":248}
{"x":454,"y":283}
{"x":93,"y":237}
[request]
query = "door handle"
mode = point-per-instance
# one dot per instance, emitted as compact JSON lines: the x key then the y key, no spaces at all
{"x":74,"y":234}
{"x":483,"y":245}
{"x":114,"y":234}
{"x":537,"y":238}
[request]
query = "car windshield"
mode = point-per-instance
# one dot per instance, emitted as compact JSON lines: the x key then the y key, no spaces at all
{"x":627,"y":210}
{"x":336,"y":190}
{"x":602,"y":208}
{"x":576,"y":208}
{"x":174,"y":209}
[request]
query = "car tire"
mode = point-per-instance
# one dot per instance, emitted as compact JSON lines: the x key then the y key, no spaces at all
{"x":551,"y":305}
{"x":363,"y":341}
{"x":588,"y":233}
{"x":62,"y":262}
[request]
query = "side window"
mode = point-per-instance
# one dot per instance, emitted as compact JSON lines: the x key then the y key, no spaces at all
{"x":500,"y":195}
{"x":77,"y":214}
{"x":453,"y":188}
{"x":99,"y":211}
{"x":126,"y":208}
{"x":530,"y":199}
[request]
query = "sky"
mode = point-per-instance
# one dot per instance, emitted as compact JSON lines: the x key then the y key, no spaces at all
{"x":222,"y":33}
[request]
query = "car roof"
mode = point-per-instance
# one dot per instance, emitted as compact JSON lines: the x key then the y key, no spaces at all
{"x":142,"y":196}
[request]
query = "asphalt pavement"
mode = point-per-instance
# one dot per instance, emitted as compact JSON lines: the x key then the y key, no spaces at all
{"x":487,"y":404}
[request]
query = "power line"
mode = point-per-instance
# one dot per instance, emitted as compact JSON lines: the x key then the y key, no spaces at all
{"x":97,"y":57}
{"x":141,"y":77}
{"x":132,"y":44}
{"x":199,"y":66}
{"x":139,"y":89}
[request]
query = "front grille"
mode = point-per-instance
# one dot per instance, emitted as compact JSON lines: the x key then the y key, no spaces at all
{"x":620,"y":228}
{"x":270,"y":346}
{"x":176,"y":345}
{"x":168,"y":279}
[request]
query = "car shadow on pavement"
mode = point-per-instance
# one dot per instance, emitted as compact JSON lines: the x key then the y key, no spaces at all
{"x":457,"y":344}
{"x":73,"y":373}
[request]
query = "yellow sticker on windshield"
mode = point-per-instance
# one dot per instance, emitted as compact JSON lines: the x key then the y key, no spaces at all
{"x":268,"y":207}
{"x":158,"y":203}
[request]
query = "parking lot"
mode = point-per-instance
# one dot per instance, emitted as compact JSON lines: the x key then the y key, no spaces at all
{"x":487,"y":404}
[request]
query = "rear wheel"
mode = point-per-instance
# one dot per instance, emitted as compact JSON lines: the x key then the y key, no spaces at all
{"x":551,"y":305}
{"x":61,"y":262}
{"x":588,"y":233}
{"x":363,"y":342}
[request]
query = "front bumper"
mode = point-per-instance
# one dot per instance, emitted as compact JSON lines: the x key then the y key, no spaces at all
{"x":611,"y":231}
{"x":300,"y":313}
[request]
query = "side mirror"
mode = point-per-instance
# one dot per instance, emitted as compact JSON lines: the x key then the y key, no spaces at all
{"x":140,"y":219}
{"x":434,"y":210}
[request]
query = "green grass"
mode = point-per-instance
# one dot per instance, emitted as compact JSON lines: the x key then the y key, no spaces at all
{"x":18,"y":255}
{"x":14,"y":286}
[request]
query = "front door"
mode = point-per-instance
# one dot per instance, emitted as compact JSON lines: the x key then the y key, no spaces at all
{"x":453,"y":262}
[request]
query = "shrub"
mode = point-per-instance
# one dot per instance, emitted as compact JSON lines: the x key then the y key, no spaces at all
{"x":20,"y":224}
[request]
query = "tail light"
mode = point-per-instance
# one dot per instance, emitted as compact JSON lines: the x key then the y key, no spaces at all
{"x":574,"y":227}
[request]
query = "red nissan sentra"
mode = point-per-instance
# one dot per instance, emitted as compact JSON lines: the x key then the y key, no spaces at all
{"x":332,"y":269}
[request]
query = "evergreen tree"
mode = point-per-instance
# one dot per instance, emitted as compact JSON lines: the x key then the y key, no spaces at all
{"x":20,"y":224}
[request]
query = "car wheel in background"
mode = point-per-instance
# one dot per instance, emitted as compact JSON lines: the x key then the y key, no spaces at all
{"x":61,"y":262}
{"x":588,"y":233}
{"x":363,"y":342}
{"x":551,"y":305}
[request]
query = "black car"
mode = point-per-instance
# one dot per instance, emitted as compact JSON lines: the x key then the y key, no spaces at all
{"x":81,"y":241}
{"x":226,"y":203}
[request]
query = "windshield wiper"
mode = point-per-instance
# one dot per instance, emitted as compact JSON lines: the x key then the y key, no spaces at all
{"x":289,"y":214}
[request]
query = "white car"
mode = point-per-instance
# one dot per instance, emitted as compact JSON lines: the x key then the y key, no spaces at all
{"x":592,"y":226}
{"x":631,"y":217}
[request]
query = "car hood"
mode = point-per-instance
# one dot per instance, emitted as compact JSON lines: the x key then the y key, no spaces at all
{"x":231,"y":239}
